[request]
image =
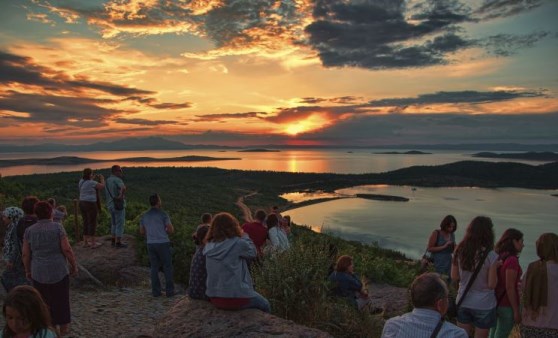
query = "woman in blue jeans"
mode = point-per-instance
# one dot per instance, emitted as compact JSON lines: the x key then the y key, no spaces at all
{"x":478,"y":308}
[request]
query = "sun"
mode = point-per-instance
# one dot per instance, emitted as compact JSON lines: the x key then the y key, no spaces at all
{"x":301,"y":126}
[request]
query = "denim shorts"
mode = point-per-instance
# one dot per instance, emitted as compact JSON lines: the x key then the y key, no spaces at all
{"x":482,"y":319}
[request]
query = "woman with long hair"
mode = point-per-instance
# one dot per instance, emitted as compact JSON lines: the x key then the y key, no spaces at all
{"x":227,"y":251}
{"x":540,"y":291}
{"x":507,"y":290}
{"x":441,"y":244}
{"x":478,"y":308}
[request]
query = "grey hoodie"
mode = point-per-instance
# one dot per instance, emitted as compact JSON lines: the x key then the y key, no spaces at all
{"x":227,"y":268}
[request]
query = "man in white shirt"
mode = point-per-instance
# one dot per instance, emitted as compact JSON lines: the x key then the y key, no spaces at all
{"x":429,"y":296}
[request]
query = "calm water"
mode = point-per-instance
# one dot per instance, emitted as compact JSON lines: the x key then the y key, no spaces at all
{"x":343,"y":161}
{"x":396,"y":225}
{"x":405,"y":226}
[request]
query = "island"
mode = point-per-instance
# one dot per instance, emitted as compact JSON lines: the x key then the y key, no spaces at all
{"x":546,"y":156}
{"x":73,"y":160}
{"x":259,"y":150}
{"x":410,"y":152}
{"x":383,"y":197}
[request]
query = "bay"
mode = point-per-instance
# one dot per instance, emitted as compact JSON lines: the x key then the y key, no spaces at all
{"x":406,"y":226}
{"x":400,"y":226}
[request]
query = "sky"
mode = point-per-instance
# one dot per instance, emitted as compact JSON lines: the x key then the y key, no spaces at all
{"x":296,"y":72}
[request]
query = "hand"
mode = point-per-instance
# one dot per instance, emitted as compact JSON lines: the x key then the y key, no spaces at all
{"x":9,"y":265}
{"x":74,"y":271}
{"x":28,"y":275}
{"x":448,"y":243}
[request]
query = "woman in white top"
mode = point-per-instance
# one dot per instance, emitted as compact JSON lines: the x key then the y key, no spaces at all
{"x":89,"y":205}
{"x":540,"y":291}
{"x":277,"y":237}
{"x":478,"y":308}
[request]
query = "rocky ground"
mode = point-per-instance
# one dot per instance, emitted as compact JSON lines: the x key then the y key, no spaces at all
{"x":123,"y":306}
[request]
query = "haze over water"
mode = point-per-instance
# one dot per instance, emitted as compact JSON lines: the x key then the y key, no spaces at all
{"x":404,"y":226}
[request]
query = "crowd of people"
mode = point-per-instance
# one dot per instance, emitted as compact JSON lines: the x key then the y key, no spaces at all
{"x":493,"y":294}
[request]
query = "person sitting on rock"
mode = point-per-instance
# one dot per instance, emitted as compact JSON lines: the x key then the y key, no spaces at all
{"x":227,"y":251}
{"x":348,"y":285}
{"x":278,"y":240}
{"x":429,"y":296}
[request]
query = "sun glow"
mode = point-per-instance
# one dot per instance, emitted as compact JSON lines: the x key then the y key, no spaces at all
{"x":310,"y":123}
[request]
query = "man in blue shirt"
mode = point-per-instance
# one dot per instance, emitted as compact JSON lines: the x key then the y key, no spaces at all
{"x":429,"y":295}
{"x":155,"y":225}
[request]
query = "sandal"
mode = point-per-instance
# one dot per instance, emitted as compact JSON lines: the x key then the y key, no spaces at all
{"x":96,"y":245}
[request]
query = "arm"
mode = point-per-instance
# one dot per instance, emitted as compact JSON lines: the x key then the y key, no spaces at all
{"x":101,"y":184}
{"x":26,"y":257}
{"x":142,"y":230}
{"x":455,"y":271}
{"x":248,"y":249}
{"x":432,"y":242}
{"x":169,"y":228}
{"x":69,"y":254}
{"x":511,"y":284}
{"x":493,"y":274}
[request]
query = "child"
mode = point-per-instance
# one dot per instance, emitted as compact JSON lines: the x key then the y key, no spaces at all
{"x":26,"y":314}
{"x":58,"y":213}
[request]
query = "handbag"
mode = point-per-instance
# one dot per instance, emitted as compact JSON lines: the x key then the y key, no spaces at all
{"x":453,"y":307}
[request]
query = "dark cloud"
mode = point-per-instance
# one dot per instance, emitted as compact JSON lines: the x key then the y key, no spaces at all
{"x":23,"y":70}
{"x":492,"y":9}
{"x":378,"y":34}
{"x":338,"y":100}
{"x":78,"y":111}
{"x":144,"y":122}
{"x":439,"y":128}
{"x":220,"y":117}
{"x":468,"y":96}
{"x":507,"y":44}
{"x":171,"y":105}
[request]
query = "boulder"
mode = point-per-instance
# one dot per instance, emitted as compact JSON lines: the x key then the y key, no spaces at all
{"x":196,"y":318}
{"x":109,"y":265}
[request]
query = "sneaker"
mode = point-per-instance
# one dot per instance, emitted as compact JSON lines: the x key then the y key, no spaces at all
{"x":121,"y":245}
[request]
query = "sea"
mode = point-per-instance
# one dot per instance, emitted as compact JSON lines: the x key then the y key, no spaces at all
{"x":402,"y":226}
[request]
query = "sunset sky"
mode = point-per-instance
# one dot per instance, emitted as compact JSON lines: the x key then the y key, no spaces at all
{"x":245,"y":72}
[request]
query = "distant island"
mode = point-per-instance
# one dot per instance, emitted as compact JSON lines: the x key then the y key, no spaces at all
{"x":73,"y":160}
{"x":259,"y":150}
{"x":410,"y":152}
{"x":531,"y":155}
{"x":383,"y":197}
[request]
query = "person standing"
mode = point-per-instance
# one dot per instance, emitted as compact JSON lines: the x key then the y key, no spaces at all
{"x":476,"y":250}
{"x":88,"y":205}
{"x":116,"y":204}
{"x":507,"y":290}
{"x":156,"y":226}
{"x":540,"y":291}
{"x":257,"y":231}
{"x":14,"y":274}
{"x":441,"y":244}
{"x":49,"y":260}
